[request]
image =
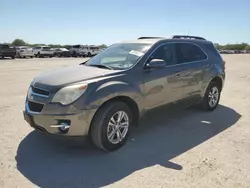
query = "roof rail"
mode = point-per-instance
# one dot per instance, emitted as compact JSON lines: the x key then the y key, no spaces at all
{"x":150,"y":38}
{"x":187,"y":37}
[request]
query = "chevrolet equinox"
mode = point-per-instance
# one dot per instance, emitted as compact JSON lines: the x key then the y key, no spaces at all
{"x":106,"y":95}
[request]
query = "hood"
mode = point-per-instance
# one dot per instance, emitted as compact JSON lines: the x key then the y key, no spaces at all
{"x":72,"y":74}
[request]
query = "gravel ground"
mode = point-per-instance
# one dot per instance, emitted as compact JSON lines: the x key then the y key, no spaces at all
{"x":173,"y":147}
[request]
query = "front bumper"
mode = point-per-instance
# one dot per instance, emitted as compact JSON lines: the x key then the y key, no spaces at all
{"x":79,"y":123}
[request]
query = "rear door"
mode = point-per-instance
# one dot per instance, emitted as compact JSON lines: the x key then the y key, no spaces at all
{"x":192,"y":64}
{"x":161,"y":86}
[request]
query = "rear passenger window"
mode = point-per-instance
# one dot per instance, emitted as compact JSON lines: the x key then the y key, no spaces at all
{"x":212,"y":49}
{"x":187,"y":52}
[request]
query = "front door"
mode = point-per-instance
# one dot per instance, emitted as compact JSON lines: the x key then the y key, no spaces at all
{"x":161,"y":84}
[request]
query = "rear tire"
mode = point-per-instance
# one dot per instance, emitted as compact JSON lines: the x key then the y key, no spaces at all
{"x":13,"y":57}
{"x":211,"y":98}
{"x":107,"y":132}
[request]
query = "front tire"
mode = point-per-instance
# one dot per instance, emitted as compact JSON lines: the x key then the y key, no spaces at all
{"x":211,"y":98}
{"x":111,"y":126}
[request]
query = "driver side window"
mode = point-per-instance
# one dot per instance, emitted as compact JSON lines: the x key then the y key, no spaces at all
{"x":166,"y":53}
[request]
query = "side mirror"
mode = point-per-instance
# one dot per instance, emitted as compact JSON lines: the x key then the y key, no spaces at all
{"x":156,"y":64}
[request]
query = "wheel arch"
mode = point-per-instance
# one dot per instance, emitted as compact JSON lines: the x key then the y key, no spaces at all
{"x":128,"y":101}
{"x":218,"y":80}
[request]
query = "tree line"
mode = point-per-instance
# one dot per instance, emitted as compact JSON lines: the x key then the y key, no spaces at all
{"x":242,"y":46}
{"x":21,"y":42}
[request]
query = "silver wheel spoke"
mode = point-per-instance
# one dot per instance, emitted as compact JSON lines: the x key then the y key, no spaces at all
{"x":111,"y":135}
{"x":119,"y":135}
{"x":213,"y":96}
{"x":117,"y":127}
{"x":112,"y":120}
{"x":213,"y":102}
{"x":111,"y":124}
{"x":120,"y":116}
{"x":124,"y":124}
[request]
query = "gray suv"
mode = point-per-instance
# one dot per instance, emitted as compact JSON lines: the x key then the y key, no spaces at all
{"x":106,"y":95}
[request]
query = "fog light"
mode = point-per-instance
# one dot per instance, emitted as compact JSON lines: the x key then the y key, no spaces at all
{"x":64,"y":126}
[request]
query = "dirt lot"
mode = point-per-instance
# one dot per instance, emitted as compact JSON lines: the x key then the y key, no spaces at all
{"x":172,"y":148}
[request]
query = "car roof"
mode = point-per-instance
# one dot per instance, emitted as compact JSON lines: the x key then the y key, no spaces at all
{"x":175,"y":38}
{"x":141,"y":41}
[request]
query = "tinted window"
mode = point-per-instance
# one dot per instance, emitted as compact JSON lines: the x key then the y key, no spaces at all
{"x":165,"y":52}
{"x":212,"y":49}
{"x":4,"y":46}
{"x":187,"y":52}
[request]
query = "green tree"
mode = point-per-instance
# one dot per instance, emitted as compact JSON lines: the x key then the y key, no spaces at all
{"x":218,"y":46}
{"x":247,"y":47}
{"x":18,"y":42}
{"x":103,"y":46}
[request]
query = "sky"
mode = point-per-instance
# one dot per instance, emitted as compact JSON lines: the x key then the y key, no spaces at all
{"x":110,"y":21}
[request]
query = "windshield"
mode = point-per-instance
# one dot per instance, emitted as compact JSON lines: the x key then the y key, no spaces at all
{"x":120,"y":56}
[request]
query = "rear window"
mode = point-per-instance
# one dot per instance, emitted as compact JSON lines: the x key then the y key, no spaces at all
{"x":188,"y":52}
{"x":212,"y":49}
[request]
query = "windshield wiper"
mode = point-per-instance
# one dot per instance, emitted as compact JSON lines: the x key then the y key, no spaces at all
{"x":100,"y":66}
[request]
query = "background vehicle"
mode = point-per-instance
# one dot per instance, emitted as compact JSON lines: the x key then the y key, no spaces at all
{"x":42,"y":51}
{"x":24,"y":51}
{"x":6,"y":51}
{"x":62,"y":52}
{"x":85,"y":50}
{"x":108,"y":94}
{"x":78,"y":51}
{"x":93,"y":50}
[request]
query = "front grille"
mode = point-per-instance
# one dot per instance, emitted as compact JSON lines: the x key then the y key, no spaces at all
{"x":35,"y":107}
{"x":40,"y":91}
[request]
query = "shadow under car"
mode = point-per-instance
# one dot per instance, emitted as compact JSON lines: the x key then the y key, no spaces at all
{"x":163,"y":134}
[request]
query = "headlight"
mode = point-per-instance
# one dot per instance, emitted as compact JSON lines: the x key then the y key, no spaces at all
{"x":69,"y":94}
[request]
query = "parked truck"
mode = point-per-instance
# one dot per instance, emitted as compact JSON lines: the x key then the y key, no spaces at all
{"x":7,"y":51}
